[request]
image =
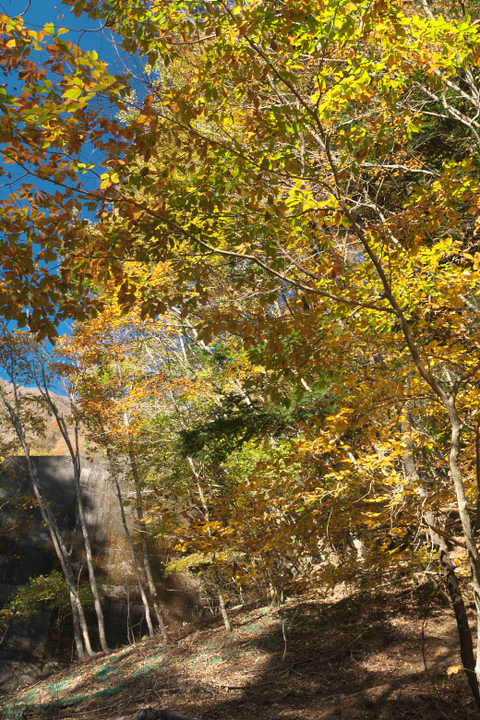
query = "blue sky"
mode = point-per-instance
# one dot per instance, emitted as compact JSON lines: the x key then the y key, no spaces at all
{"x":85,"y":32}
{"x":43,"y":11}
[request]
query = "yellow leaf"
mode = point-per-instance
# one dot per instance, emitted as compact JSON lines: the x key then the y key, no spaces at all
{"x":453,"y":670}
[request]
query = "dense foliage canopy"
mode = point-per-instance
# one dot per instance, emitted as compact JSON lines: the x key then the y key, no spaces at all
{"x":267,"y":233}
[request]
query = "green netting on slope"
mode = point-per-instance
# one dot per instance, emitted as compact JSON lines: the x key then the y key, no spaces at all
{"x":117,"y":668}
{"x":110,"y":670}
{"x":107,"y":671}
{"x":16,"y":711}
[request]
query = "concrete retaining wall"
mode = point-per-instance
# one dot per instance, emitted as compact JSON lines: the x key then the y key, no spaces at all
{"x":30,"y":649}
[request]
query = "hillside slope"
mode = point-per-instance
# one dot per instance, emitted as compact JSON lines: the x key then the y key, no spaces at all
{"x":51,"y":441}
{"x":358,"y":656}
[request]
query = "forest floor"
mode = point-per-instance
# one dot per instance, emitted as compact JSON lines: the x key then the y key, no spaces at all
{"x":372,"y":655}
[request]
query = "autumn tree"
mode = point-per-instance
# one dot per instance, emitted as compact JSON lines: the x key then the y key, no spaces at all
{"x":41,"y":371}
{"x":100,"y":364}
{"x":327,"y":154}
{"x":15,"y":351}
{"x":302,"y":140}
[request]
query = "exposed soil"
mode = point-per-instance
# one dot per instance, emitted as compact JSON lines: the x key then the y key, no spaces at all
{"x":360,"y":656}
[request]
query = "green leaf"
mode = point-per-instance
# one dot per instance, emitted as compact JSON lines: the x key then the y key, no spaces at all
{"x":73,"y":93}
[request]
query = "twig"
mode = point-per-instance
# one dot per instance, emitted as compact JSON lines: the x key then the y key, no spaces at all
{"x":339,"y":652}
{"x":284,"y":640}
{"x":251,"y":685}
{"x":67,"y":706}
{"x":160,"y":714}
{"x":292,"y":665}
{"x":166,"y":690}
{"x":170,"y":715}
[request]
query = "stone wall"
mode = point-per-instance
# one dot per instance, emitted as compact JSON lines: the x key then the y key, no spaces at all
{"x":39,"y":646}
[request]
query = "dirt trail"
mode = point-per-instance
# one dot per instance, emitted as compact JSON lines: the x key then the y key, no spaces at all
{"x":344,"y":657}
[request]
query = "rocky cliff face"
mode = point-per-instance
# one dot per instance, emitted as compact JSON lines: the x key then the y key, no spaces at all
{"x":26,"y":551}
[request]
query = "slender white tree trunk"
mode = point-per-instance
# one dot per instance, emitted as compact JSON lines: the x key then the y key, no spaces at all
{"x":77,"y":472}
{"x":146,"y":560}
{"x":223,"y":611}
{"x":41,"y":380}
{"x":91,"y":570}
{"x":473,"y":556}
{"x":50,"y":521}
{"x":448,"y":568}
{"x":64,"y":558}
{"x":148,"y":617}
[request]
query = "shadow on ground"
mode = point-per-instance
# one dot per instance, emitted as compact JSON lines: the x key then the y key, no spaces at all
{"x":354,"y":657}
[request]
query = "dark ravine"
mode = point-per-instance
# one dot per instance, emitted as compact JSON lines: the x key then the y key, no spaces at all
{"x":29,"y":650}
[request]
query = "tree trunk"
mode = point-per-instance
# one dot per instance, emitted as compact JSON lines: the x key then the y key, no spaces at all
{"x":132,"y":554}
{"x":63,"y":556}
{"x":76,"y":629}
{"x":42,"y":385}
{"x":50,"y":521}
{"x":465,"y":521}
{"x":464,"y":632}
{"x":448,"y":568}
{"x":91,"y":569}
{"x":146,"y":561}
{"x":223,"y":611}
{"x":143,"y":532}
